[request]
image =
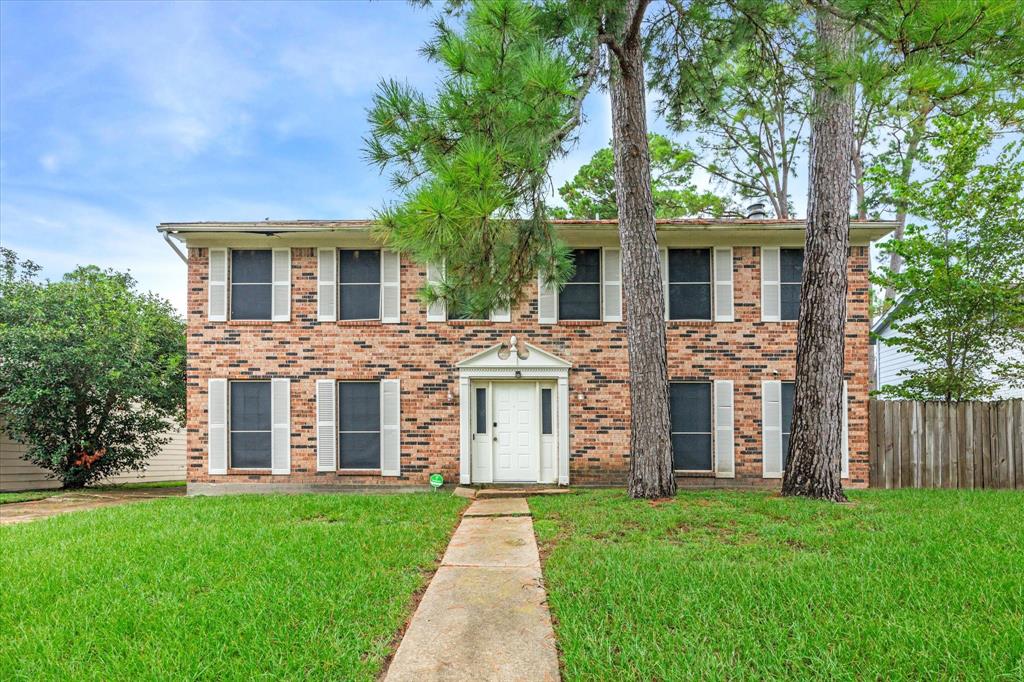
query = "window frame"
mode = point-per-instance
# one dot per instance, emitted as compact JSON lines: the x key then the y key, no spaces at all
{"x":599,"y":284}
{"x":232,"y":284}
{"x":710,"y":251}
{"x":270,"y":424}
{"x":785,"y":430}
{"x":711,"y":413}
{"x":338,"y":430}
{"x":339,"y":284}
{"x":788,"y":283}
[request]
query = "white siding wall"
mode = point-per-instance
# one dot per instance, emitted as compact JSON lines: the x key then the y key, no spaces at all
{"x":17,"y":474}
{"x":891,"y":361}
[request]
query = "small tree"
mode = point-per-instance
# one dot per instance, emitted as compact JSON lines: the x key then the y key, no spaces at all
{"x":91,"y":371}
{"x":961,"y":285}
{"x":591,"y":192}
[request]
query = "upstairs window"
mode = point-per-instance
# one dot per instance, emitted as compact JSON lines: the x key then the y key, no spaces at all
{"x":791,"y":270}
{"x":580,"y":298}
{"x":250,"y":425}
{"x":251,"y":284}
{"x":690,"y":415}
{"x":689,"y":284}
{"x":359,"y":284}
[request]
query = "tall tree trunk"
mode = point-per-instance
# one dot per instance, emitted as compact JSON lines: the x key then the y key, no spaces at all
{"x":813,"y":467}
{"x":650,"y":464}
{"x":914,"y":138}
{"x":858,"y":181}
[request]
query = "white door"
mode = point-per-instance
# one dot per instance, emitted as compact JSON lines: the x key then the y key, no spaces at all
{"x":515,"y":432}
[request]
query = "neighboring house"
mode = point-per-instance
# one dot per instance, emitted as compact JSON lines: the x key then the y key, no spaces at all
{"x":890,"y":361}
{"x":313,"y":364}
{"x":17,"y":474}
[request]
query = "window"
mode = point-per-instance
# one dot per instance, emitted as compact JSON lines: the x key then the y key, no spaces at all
{"x":690,"y":407}
{"x":787,"y":418}
{"x":481,"y":410}
{"x":359,"y":284}
{"x":791,"y":270}
{"x":580,"y":298}
{"x":250,"y":424}
{"x":545,"y":411}
{"x":689,"y":284}
{"x":359,"y":425}
{"x":251,"y":284}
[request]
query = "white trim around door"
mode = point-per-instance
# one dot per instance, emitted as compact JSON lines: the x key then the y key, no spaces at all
{"x":505,"y":393}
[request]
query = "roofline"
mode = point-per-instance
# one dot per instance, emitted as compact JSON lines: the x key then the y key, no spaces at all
{"x":610,"y":224}
{"x":886,"y":318}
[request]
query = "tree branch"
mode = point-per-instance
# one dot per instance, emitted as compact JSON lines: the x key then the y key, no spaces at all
{"x":577,"y":105}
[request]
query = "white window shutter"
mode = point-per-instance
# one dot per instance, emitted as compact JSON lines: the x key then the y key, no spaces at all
{"x":611,"y":283}
{"x":725,"y":437}
{"x":771,"y":429}
{"x":217,"y":286}
{"x":281,"y":300}
{"x":390,"y":287}
{"x":547,"y":301}
{"x":664,"y":278}
{"x":845,"y":468}
{"x":280,"y":427}
{"x":390,"y":428}
{"x":771,"y":303}
{"x":326,"y":431}
{"x":723,"y":285}
{"x":436,"y":311}
{"x":217,"y":412}
{"x":327,"y":285}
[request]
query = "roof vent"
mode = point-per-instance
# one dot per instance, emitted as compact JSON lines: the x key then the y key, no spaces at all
{"x":757,"y":211}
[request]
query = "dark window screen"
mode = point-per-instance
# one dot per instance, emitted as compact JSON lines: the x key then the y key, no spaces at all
{"x":359,"y":424}
{"x":689,"y":284}
{"x":481,"y":410}
{"x":545,"y":411}
{"x":359,"y":284}
{"x":691,"y":426}
{"x":791,"y":268}
{"x":250,"y":424}
{"x":580,"y":298}
{"x":787,"y":418}
{"x":251,"y":277}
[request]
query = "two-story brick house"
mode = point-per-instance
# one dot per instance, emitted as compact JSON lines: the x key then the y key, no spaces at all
{"x":313,"y":363}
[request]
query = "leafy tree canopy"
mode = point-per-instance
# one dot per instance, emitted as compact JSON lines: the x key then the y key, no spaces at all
{"x":961,"y":288}
{"x":591,"y":193}
{"x":92,"y":372}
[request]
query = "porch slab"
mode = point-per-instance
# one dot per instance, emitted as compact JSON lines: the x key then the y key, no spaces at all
{"x":499,"y":506}
{"x":495,"y":542}
{"x":479,"y":623}
{"x":490,"y":493}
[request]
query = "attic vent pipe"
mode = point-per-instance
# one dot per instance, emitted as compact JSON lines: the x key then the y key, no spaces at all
{"x":757,"y":211}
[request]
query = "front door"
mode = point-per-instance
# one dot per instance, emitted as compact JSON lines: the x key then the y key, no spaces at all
{"x":515,"y":432}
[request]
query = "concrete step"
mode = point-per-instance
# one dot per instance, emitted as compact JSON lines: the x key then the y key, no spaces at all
{"x":491,"y":493}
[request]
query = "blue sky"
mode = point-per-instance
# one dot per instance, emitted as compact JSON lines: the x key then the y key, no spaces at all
{"x":116,"y":116}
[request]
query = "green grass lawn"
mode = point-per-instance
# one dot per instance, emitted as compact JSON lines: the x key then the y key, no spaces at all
{"x":30,"y":495}
{"x":247,"y":587}
{"x":913,"y":584}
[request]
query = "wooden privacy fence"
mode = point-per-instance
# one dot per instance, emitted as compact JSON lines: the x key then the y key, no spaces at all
{"x":947,"y":445}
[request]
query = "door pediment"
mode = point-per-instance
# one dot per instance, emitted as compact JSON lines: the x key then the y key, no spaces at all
{"x":515,"y":355}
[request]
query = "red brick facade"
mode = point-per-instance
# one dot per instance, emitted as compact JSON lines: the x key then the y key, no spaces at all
{"x":423,"y":355}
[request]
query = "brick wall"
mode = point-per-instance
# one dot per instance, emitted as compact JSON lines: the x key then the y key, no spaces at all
{"x":423,"y":356}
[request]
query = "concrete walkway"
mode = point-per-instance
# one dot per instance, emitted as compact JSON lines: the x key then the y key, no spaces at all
{"x":484,"y":616}
{"x":20,"y":512}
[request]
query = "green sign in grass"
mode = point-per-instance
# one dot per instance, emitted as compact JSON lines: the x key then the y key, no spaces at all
{"x":436,"y":480}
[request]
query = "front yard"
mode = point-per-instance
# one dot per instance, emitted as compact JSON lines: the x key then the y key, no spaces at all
{"x":246,"y":587}
{"x":925,"y":584}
